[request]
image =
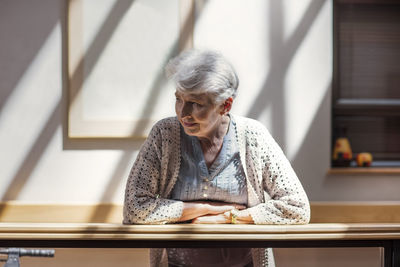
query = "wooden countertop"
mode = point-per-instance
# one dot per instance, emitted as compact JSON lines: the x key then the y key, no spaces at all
{"x":190,"y":232}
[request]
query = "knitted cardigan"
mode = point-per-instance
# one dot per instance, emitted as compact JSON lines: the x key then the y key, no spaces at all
{"x":275,"y":194}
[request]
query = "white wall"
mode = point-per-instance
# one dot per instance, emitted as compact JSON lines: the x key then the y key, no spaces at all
{"x":281,"y":49}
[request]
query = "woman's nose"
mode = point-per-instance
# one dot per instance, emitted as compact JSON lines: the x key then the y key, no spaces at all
{"x":186,"y":110}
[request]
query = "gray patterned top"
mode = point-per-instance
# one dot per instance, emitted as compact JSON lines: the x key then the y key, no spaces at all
{"x":225,"y":180}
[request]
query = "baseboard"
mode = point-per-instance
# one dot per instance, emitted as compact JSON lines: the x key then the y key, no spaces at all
{"x":57,"y":213}
{"x":355,"y":212}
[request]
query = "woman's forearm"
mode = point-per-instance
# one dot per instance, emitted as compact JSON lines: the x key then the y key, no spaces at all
{"x":192,"y":210}
{"x":241,"y":217}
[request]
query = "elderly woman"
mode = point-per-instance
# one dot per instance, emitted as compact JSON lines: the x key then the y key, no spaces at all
{"x":208,"y":166}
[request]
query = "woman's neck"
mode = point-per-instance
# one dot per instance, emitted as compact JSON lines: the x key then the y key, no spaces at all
{"x":213,"y":141}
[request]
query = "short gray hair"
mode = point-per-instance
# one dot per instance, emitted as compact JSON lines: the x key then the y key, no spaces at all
{"x":203,"y":71}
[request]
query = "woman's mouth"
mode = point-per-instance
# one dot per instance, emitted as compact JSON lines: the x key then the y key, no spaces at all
{"x":188,"y":124}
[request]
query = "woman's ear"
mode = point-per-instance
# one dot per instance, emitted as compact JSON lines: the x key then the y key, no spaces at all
{"x":227,"y":105}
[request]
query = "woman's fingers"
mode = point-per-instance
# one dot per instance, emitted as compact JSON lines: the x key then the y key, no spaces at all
{"x":225,"y":208}
{"x":210,"y":207}
{"x":210,"y":219}
{"x":229,"y":205}
{"x":240,"y":207}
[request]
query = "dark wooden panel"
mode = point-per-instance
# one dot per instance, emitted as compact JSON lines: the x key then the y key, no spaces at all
{"x":379,"y":135}
{"x":367,"y":2}
{"x":369,"y":47}
{"x":366,"y":79}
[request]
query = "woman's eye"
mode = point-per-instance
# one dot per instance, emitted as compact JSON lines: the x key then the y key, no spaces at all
{"x":197,"y":104}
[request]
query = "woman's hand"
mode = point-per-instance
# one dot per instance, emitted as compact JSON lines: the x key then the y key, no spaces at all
{"x":192,"y":210}
{"x":243,"y":217}
{"x":219,"y":208}
{"x":221,"y":218}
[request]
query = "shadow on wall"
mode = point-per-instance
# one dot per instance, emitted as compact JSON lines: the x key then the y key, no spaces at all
{"x":281,"y":55}
{"x":23,"y":31}
{"x":315,"y":148}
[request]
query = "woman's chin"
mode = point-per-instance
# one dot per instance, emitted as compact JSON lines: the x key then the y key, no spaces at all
{"x":190,"y":131}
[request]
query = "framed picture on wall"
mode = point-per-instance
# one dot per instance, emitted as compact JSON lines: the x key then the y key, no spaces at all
{"x":117,"y":51}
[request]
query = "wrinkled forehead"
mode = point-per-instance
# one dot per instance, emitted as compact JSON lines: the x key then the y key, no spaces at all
{"x":201,"y":96}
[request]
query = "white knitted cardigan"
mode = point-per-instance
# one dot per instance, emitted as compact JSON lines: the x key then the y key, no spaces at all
{"x":275,"y":194}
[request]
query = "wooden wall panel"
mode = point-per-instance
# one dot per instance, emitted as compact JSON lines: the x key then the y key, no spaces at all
{"x":321,"y":212}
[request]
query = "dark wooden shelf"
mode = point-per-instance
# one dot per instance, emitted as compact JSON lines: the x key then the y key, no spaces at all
{"x":365,"y":171}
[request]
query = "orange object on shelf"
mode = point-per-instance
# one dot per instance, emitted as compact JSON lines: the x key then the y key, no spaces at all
{"x":364,"y":159}
{"x":342,"y":153}
{"x":342,"y":149}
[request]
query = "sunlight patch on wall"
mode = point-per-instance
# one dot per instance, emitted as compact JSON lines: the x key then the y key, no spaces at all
{"x":294,"y":13}
{"x":29,"y":106}
{"x":241,"y":34}
{"x":84,"y":173}
{"x":307,"y":79}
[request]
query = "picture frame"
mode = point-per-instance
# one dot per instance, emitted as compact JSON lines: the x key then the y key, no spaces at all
{"x":117,"y":51}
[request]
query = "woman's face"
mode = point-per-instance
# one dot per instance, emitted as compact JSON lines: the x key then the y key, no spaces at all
{"x":197,"y":113}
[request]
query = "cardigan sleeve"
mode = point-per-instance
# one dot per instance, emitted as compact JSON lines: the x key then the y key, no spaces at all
{"x":284,"y":199}
{"x":143,"y":202}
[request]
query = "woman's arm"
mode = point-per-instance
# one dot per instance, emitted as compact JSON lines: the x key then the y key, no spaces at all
{"x":285,"y":201}
{"x":144,"y":202}
{"x":243,"y":217}
{"x":197,"y":210}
